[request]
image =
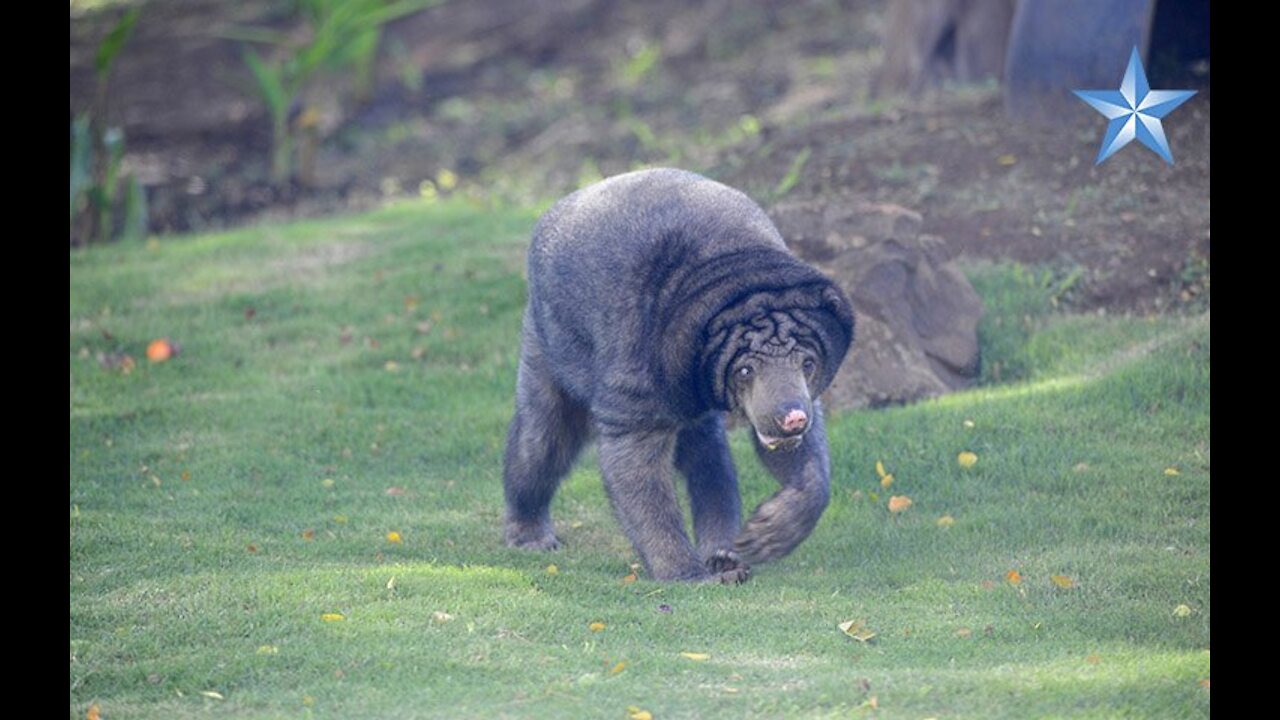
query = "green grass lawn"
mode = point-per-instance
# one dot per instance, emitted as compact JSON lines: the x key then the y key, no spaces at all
{"x":342,"y":380}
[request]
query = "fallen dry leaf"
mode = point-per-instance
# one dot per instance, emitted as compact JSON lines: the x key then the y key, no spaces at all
{"x":1062,"y":581}
{"x":95,"y":713}
{"x":396,"y":491}
{"x":964,"y":632}
{"x":970,"y":424}
{"x":1171,"y":471}
{"x":328,"y":483}
{"x":1014,"y":577}
{"x":441,"y":617}
{"x":886,"y":481}
{"x":160,"y":350}
{"x":212,"y":694}
{"x":696,"y":656}
{"x":332,"y":617}
{"x":1093,"y":659}
{"x":1205,"y":683}
{"x":880,"y":471}
{"x":967,"y":459}
{"x":617,"y":668}
{"x":857,"y":629}
{"x":635,"y":713}
{"x":1182,"y":611}
{"x":596,"y":626}
{"x":898,"y":503}
{"x":552,"y":569}
{"x":946,"y":521}
{"x":394,"y":537}
{"x":308,"y":534}
{"x":628,"y":579}
{"x":268,"y":650}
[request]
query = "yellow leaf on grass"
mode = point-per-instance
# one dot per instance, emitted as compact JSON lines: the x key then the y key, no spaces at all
{"x":160,"y":350}
{"x":967,"y":459}
{"x":552,"y":569}
{"x":333,"y":617}
{"x":1014,"y":577}
{"x":696,"y":657}
{"x":394,"y":537}
{"x":1171,"y":471}
{"x":617,"y":668}
{"x":1182,"y":611}
{"x":628,"y":579}
{"x":441,"y":617}
{"x":886,"y":481}
{"x":268,"y":650}
{"x":596,"y":626}
{"x":857,"y":629}
{"x":880,"y":469}
{"x":964,"y":632}
{"x":946,"y":521}
{"x":212,"y":694}
{"x":635,"y":713}
{"x":328,"y":482}
{"x":93,"y":713}
{"x":308,"y":534}
{"x":970,"y":424}
{"x":1062,"y":581}
{"x":898,"y":503}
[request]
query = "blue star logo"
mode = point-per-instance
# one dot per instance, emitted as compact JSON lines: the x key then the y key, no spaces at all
{"x":1135,"y":111}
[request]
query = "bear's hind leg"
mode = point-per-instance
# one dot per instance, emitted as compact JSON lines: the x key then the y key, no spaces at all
{"x":546,"y":435}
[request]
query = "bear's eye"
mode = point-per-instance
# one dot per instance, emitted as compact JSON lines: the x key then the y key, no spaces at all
{"x":745,"y":372}
{"x":809,"y":366}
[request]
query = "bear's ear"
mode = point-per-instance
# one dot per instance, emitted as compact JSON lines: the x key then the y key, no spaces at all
{"x":833,"y":322}
{"x":836,"y":303}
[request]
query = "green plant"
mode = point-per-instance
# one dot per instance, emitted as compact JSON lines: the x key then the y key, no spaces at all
{"x":341,"y":35}
{"x":97,"y":152}
{"x":792,"y":177}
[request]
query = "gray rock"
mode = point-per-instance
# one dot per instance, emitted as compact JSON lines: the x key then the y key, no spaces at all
{"x":917,"y":315}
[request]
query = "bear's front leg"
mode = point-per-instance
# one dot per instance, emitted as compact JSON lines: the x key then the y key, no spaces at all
{"x":638,"y":471}
{"x":783,"y":521}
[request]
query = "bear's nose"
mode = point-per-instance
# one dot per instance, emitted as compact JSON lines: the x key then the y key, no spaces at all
{"x":794,"y":421}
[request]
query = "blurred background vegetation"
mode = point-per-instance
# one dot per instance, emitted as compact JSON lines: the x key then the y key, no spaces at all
{"x":205,"y":114}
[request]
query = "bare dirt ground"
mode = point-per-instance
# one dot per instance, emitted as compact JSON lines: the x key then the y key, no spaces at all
{"x":528,"y":100}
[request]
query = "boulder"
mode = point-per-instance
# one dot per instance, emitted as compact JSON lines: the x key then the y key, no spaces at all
{"x":916,"y":314}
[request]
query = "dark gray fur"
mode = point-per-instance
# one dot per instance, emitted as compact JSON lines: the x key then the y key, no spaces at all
{"x":648,"y":294}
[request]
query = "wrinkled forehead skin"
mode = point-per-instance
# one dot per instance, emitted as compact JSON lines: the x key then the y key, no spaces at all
{"x":824,"y":333}
{"x":774,"y":335}
{"x":707,"y":307}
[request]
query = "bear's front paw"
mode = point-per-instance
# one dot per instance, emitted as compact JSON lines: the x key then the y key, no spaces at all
{"x":539,"y":536}
{"x":780,"y":524}
{"x":727,"y":568}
